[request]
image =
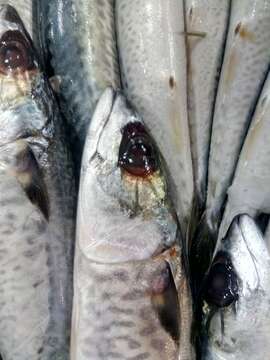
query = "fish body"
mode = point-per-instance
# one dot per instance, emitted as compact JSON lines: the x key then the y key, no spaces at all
{"x":131,"y":292}
{"x":249,"y":192}
{"x":78,"y":42}
{"x":37,"y":206}
{"x":235,"y":316}
{"x":206,"y":28}
{"x":152,"y":51}
{"x":244,"y":68}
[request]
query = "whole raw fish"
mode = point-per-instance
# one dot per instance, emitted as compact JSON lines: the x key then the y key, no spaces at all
{"x":78,"y":43}
{"x":245,"y":65}
{"x":236,"y":320}
{"x":206,"y":28}
{"x":249,"y":192}
{"x":37,"y":206}
{"x":131,"y":293}
{"x":152,"y":50}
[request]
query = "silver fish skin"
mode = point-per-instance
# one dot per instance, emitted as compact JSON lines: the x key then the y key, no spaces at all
{"x":206,"y":28}
{"x":245,"y":65}
{"x":267,"y":235}
{"x":131,"y":293}
{"x":79,"y":38}
{"x":25,"y":11}
{"x":37,"y":206}
{"x":239,"y":330}
{"x":152,"y":51}
{"x":249,"y":192}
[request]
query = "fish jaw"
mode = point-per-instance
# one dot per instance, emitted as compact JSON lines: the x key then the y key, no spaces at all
{"x":124,"y":217}
{"x":241,"y":328}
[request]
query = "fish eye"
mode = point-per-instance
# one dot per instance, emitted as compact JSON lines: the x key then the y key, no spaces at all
{"x":137,"y":153}
{"x":221,"y":288}
{"x":14,"y":53}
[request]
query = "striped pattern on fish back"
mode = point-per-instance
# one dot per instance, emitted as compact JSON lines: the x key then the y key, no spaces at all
{"x":24,"y":274}
{"x":113,"y":314}
{"x":82,"y":45}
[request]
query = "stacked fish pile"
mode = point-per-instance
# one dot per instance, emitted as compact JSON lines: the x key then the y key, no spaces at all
{"x":135,"y":177}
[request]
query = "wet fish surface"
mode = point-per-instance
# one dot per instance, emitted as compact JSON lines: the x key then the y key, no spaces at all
{"x":206,"y":30}
{"x":249,"y":192}
{"x":235,"y":313}
{"x":152,"y":51}
{"x":25,"y":11}
{"x":37,"y":205}
{"x":131,"y":291}
{"x":77,"y":39}
{"x":245,"y":65}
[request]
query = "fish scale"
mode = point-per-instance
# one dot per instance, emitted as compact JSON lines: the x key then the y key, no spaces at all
{"x":207,"y":23}
{"x":131,"y":292}
{"x":23,"y":258}
{"x":25,"y":10}
{"x":153,"y":63}
{"x":79,"y":39}
{"x":117,"y":319}
{"x":245,"y":65}
{"x":37,"y":198}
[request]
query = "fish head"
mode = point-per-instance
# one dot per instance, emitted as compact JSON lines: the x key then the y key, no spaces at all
{"x":26,"y":99}
{"x":124,"y":212}
{"x":18,"y":60}
{"x":237,"y":295}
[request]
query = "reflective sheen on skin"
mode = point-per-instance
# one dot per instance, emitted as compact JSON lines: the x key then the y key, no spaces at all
{"x":240,"y":329}
{"x":249,"y":192}
{"x":152,"y":51}
{"x":131,"y":294}
{"x":245,"y":65}
{"x":77,"y":39}
{"x":206,"y":22}
{"x":25,"y":11}
{"x":37,"y":206}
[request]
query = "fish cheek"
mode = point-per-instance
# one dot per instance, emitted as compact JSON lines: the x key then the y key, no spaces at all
{"x":164,"y":299}
{"x":31,"y":179}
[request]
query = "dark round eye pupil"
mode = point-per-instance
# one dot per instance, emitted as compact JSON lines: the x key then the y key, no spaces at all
{"x":221,"y":287}
{"x":15,"y":54}
{"x":137,"y":154}
{"x":12,"y":57}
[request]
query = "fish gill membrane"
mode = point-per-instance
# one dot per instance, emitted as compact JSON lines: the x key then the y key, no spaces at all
{"x":153,"y":63}
{"x":37,"y":206}
{"x":206,"y":30}
{"x":236,"y":322}
{"x":131,"y":292}
{"x":245,"y":65}
{"x":77,"y":41}
{"x":249,"y":192}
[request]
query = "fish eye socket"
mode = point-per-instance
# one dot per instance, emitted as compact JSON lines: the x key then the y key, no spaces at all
{"x":221,"y":288}
{"x":137,"y":153}
{"x":15,"y":53}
